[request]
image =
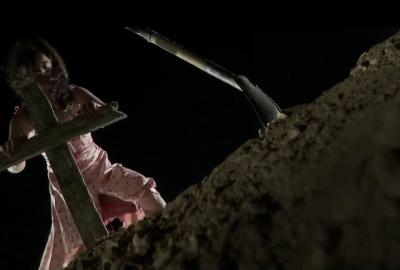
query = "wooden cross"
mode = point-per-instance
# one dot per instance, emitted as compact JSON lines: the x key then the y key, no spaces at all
{"x":52,"y":138}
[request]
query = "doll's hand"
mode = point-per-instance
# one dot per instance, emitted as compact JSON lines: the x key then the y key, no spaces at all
{"x":6,"y":150}
{"x":92,"y":110}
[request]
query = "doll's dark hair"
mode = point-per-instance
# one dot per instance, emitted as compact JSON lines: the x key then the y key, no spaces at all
{"x":23,"y":55}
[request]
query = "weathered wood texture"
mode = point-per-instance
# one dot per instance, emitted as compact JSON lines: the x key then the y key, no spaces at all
{"x":52,"y":138}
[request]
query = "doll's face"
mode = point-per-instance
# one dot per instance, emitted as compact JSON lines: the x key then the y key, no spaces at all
{"x":42,"y":69}
{"x":42,"y":65}
{"x":38,"y":72}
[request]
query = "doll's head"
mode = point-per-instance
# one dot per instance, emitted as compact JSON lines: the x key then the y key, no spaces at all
{"x":34,"y":60}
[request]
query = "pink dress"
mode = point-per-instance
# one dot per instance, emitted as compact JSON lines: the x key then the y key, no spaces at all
{"x":117,"y":192}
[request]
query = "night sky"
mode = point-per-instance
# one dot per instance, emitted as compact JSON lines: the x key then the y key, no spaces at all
{"x":181,"y":122}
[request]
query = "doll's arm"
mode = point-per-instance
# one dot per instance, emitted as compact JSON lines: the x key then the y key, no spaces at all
{"x":84,"y":96}
{"x":18,"y":135}
{"x":88,"y":101}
